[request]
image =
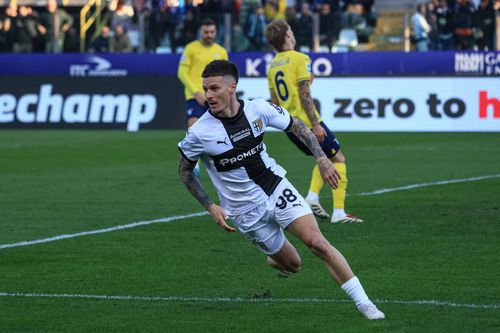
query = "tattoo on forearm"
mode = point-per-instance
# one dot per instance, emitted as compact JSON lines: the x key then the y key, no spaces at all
{"x":307,"y":137}
{"x":192,"y":183}
{"x":324,"y":164}
{"x":307,"y":101}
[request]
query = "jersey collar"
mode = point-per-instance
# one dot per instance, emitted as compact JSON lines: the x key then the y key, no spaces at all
{"x":236,"y":116}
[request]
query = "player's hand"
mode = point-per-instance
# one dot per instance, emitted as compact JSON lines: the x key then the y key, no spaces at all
{"x":319,"y":132}
{"x":328,"y":171}
{"x":200,"y":98}
{"x":219,"y":215}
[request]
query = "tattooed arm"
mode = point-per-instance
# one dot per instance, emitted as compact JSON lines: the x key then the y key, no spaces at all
{"x":308,"y":104}
{"x":326,"y":167}
{"x":193,"y":185}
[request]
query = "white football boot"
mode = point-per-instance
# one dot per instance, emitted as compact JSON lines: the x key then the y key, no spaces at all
{"x":348,"y":218}
{"x":317,"y":209}
{"x":370,"y":311}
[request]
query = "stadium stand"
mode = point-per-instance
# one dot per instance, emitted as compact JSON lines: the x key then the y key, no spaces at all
{"x":165,"y":26}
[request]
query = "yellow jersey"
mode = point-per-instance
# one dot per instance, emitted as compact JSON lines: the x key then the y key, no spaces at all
{"x":192,"y":63}
{"x":287,"y":69}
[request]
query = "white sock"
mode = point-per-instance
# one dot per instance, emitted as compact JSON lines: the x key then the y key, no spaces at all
{"x":355,"y":291}
{"x":311,"y":196}
{"x":339,"y":212}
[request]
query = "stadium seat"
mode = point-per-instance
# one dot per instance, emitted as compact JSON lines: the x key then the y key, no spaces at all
{"x":348,"y":39}
{"x":163,"y":49}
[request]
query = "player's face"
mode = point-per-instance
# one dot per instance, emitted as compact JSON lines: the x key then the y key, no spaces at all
{"x":218,"y":90}
{"x":207,"y":34}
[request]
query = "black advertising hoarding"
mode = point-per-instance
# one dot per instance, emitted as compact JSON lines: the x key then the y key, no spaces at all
{"x":132,"y":103}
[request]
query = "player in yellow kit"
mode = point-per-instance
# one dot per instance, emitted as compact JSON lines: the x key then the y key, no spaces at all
{"x":195,"y":57}
{"x":289,"y":79}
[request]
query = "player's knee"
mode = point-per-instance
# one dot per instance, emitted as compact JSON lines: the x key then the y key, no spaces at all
{"x":339,"y":157}
{"x":294,"y":265}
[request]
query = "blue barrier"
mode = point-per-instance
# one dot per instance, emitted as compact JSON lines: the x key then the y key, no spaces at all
{"x":254,"y":64}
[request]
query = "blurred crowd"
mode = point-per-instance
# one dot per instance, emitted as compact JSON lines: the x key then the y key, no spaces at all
{"x":455,"y":25}
{"x":167,"y":25}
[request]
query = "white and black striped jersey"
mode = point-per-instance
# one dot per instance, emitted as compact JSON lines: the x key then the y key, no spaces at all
{"x":234,"y":154}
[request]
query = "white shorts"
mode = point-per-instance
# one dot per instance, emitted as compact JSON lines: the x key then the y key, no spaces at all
{"x":264,"y":224}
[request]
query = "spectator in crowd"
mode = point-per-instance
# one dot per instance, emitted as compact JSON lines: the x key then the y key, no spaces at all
{"x":20,"y":28}
{"x":54,"y":23}
{"x":335,"y":5}
{"x":303,"y":28}
{"x":237,"y":5}
{"x":188,"y":29}
{"x":274,"y":9}
{"x":353,"y":15}
{"x":174,"y":19}
{"x":254,"y":29}
{"x":162,"y":22}
{"x":463,"y":20}
{"x":420,"y":28}
{"x":3,"y":36}
{"x":239,"y":42}
{"x":485,"y":25}
{"x":444,"y":20}
{"x":247,"y":8}
{"x":8,"y":26}
{"x":120,"y":42}
{"x":431,"y":18}
{"x":101,"y":43}
{"x":328,"y":29}
{"x":122,"y":14}
{"x":291,"y":17}
{"x":25,"y":30}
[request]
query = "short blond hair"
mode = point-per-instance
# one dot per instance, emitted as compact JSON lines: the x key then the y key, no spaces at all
{"x":276,"y":33}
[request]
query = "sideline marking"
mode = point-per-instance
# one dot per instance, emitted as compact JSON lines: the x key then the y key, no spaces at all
{"x":441,"y":182}
{"x":243,"y":300}
{"x":101,"y":231}
{"x":180,"y":217}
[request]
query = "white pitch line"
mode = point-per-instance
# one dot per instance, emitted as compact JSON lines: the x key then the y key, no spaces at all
{"x":242,"y":300}
{"x":180,"y":217}
{"x":101,"y":231}
{"x":441,"y":182}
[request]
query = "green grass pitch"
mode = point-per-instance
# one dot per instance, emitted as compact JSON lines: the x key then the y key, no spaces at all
{"x":434,"y":243}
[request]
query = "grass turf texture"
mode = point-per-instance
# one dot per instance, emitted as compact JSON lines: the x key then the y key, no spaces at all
{"x":431,"y":243}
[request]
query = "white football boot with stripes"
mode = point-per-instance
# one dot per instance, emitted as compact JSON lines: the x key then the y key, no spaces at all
{"x":348,"y":218}
{"x":317,"y":209}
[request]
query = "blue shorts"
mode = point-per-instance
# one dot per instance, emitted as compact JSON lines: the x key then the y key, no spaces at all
{"x":330,"y":145}
{"x":193,"y":109}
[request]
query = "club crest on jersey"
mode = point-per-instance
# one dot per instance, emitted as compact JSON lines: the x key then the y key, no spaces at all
{"x":257,"y":125}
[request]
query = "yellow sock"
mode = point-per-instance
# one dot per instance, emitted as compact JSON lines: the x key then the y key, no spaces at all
{"x":340,"y":192}
{"x":316,"y":181}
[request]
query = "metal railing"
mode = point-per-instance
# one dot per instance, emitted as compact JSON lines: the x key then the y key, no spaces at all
{"x":86,"y":23}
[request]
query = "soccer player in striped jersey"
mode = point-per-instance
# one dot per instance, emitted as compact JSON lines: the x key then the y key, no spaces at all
{"x":253,"y":190}
{"x":289,"y":80}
